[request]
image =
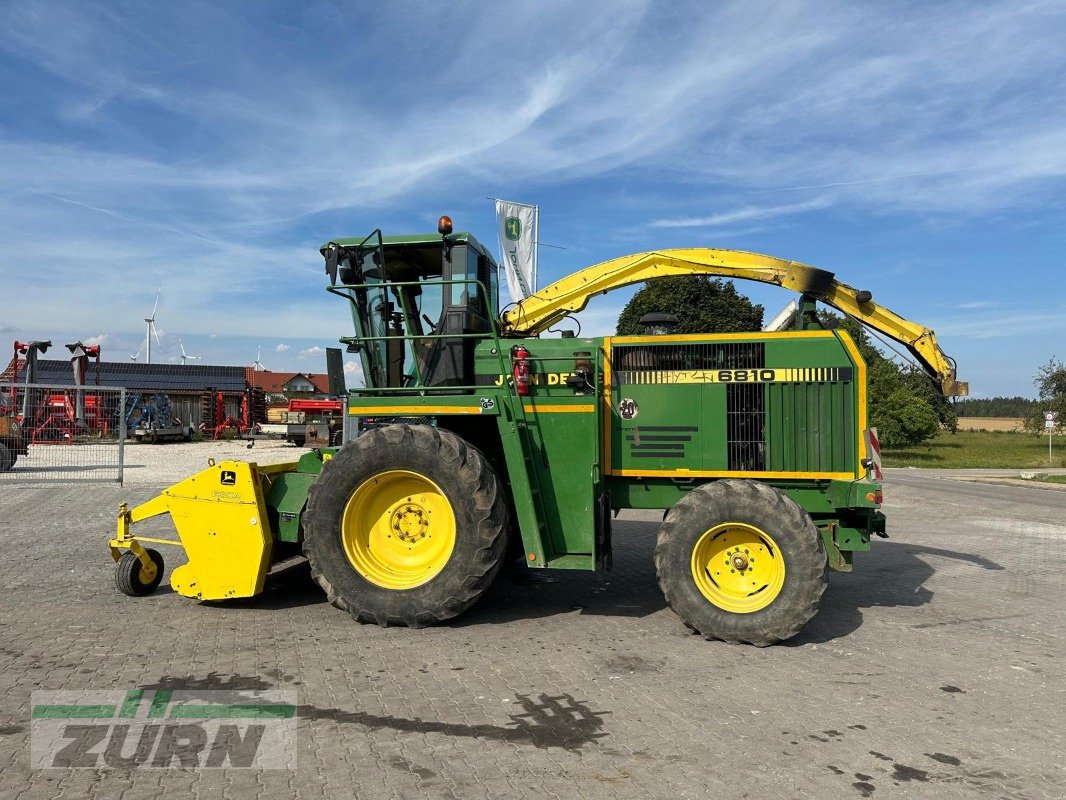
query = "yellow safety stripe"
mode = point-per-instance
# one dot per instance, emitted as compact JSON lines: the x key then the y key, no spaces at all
{"x":860,"y":366}
{"x":558,"y":409}
{"x":711,"y":338}
{"x":699,"y":473}
{"x":608,"y":341}
{"x":366,"y":411}
{"x":529,"y":405}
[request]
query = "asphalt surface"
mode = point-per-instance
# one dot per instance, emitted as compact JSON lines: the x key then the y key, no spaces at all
{"x":934,"y":670}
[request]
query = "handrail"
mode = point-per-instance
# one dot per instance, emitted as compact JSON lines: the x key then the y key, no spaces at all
{"x":422,"y":389}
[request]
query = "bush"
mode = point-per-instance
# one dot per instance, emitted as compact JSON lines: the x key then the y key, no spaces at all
{"x":904,"y":418}
{"x":1051,"y":384}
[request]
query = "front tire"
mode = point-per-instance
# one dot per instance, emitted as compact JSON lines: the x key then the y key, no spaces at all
{"x":741,"y":562}
{"x":406,"y":525}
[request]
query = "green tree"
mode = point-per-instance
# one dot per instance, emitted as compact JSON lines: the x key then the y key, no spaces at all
{"x":1050,"y":384}
{"x":702,"y":305}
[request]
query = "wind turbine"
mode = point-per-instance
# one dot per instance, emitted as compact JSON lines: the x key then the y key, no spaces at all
{"x":135,"y":356}
{"x":185,"y":356}
{"x":257,"y":366}
{"x":150,"y":330}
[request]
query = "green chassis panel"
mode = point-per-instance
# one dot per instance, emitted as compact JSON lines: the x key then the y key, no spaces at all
{"x":553,"y":444}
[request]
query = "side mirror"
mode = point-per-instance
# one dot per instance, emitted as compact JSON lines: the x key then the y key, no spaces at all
{"x":332,"y":257}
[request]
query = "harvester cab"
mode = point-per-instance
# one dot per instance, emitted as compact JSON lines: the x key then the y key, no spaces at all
{"x":493,"y":440}
{"x":418,"y":304}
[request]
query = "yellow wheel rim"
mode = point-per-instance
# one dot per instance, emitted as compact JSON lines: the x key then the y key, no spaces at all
{"x":738,"y":567}
{"x":398,"y":529}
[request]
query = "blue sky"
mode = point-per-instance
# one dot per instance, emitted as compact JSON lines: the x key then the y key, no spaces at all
{"x":916,"y":149}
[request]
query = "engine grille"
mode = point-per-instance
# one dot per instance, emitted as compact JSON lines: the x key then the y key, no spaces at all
{"x":643,"y":363}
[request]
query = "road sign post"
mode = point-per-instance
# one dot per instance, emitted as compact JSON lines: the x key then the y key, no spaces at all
{"x":1049,"y":425}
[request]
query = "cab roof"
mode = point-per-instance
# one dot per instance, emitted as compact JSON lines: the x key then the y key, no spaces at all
{"x":461,"y":237}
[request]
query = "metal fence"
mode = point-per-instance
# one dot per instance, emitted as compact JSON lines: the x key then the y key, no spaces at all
{"x":351,"y":427}
{"x":61,"y":433}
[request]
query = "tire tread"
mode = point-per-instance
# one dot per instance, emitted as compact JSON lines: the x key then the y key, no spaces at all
{"x":480,"y":488}
{"x":687,"y":520}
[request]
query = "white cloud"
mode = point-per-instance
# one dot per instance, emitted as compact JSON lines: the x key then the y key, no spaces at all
{"x":94,"y":340}
{"x":157,"y":159}
{"x":5,"y":328}
{"x":905,"y":116}
{"x":1006,"y":324}
{"x":745,"y":214}
{"x":311,"y":352}
{"x":353,"y":372}
{"x":281,"y":348}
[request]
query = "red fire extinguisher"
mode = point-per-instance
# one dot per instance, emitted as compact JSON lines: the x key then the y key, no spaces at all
{"x":522,"y":378}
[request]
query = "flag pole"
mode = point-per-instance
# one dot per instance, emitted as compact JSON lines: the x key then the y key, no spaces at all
{"x":499,"y":242}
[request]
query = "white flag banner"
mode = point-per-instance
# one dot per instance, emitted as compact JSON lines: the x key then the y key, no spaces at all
{"x":517,"y":228}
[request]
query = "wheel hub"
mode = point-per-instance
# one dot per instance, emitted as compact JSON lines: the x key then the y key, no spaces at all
{"x":411,"y":522}
{"x":738,"y":567}
{"x":398,"y":529}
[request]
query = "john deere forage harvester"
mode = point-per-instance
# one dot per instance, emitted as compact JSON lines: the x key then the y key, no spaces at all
{"x":504,"y":440}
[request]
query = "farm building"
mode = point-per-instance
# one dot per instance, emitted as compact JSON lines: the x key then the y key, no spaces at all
{"x":188,"y":386}
{"x":280,"y":386}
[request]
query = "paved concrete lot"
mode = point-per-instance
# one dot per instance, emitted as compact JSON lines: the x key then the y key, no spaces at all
{"x":935,"y":670}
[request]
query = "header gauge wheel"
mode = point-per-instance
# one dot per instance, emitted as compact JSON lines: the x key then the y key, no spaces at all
{"x":741,"y":562}
{"x":133,"y":579}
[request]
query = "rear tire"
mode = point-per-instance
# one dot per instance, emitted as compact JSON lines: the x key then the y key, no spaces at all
{"x":406,"y":525}
{"x":741,"y":562}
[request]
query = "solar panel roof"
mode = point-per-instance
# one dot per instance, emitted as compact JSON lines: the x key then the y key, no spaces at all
{"x":154,"y":377}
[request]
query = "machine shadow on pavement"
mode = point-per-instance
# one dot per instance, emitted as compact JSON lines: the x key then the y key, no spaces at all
{"x":893,"y":574}
{"x":289,"y":587}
